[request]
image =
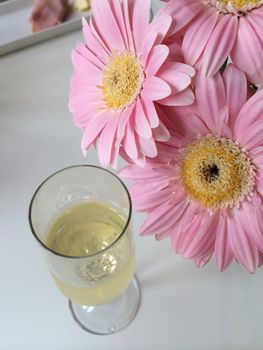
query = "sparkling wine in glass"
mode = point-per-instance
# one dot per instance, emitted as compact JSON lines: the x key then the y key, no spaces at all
{"x":81,"y":218}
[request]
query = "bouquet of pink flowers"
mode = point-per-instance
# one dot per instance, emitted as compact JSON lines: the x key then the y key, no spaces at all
{"x":179,"y":98}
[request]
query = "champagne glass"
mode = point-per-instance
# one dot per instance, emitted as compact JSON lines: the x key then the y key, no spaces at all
{"x":81,"y":217}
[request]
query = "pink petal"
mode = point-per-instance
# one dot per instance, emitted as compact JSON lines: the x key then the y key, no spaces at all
{"x":156,"y":58}
{"x":257,"y":156}
{"x":223,"y":251}
{"x":108,"y":27}
{"x":91,"y":90}
{"x":247,"y":52}
{"x":92,"y":130}
{"x":163,"y":235}
{"x":115,"y":156}
{"x":198,"y":34}
{"x":151,"y":113}
{"x":167,"y":171}
{"x":258,"y":162}
{"x":250,"y":112}
{"x":79,"y":80}
{"x":252,"y":137}
{"x":160,"y":24}
{"x":226,"y":131}
{"x":166,"y":153}
{"x":83,"y":98}
{"x":202,"y":261}
{"x":220,"y":44}
{"x":250,"y":217}
{"x":152,"y":200}
{"x":182,"y":98}
{"x":155,"y":89}
{"x":130,"y":145}
{"x":107,"y":140}
{"x":83,"y":65}
{"x":177,"y":80}
{"x":140,"y":159}
{"x":204,"y":239}
{"x":89,"y":55}
{"x":183,"y":68}
{"x":163,"y":217}
{"x":149,"y":42}
{"x":196,"y":126}
{"x":255,"y":19}
{"x":236,"y":91}
{"x":166,"y":117}
{"x":124,"y":118}
{"x":210,"y":95}
{"x":147,"y":147}
{"x":259,"y":184}
{"x":133,"y":173}
{"x":97,"y":36}
{"x":119,"y":17}
{"x":181,"y":239}
{"x":127,"y":7}
{"x":222,"y":121}
{"x":141,"y":124}
{"x":183,"y":224}
{"x":182,"y":11}
{"x":175,"y":48}
{"x":192,"y":215}
{"x":184,"y":122}
{"x":244,"y":249}
{"x":161,"y":133}
{"x":141,"y":15}
{"x":152,"y":188}
{"x":82,"y":119}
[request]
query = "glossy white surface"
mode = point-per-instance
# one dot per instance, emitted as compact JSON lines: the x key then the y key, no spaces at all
{"x":183,"y":307}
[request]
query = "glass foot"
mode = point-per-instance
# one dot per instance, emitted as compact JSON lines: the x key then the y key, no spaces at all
{"x":112,"y":317}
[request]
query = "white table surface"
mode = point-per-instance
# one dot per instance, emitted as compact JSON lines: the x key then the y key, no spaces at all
{"x":182,"y":307}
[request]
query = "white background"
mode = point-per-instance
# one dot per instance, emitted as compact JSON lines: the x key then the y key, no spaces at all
{"x":182,"y":307}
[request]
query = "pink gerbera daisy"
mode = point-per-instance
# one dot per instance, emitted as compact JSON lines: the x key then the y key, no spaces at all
{"x":120,"y":75}
{"x":216,"y":29}
{"x":205,"y":188}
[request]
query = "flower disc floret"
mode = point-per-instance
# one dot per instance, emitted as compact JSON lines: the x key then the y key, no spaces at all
{"x":216,"y":173}
{"x":122,"y":80}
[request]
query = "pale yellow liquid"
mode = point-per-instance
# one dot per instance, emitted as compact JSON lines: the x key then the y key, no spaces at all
{"x":86,"y":229}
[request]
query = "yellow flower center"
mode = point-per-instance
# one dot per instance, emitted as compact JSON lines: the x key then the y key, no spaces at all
{"x":122,"y":80}
{"x":216,"y":173}
{"x":240,"y":3}
{"x":237,"y":7}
